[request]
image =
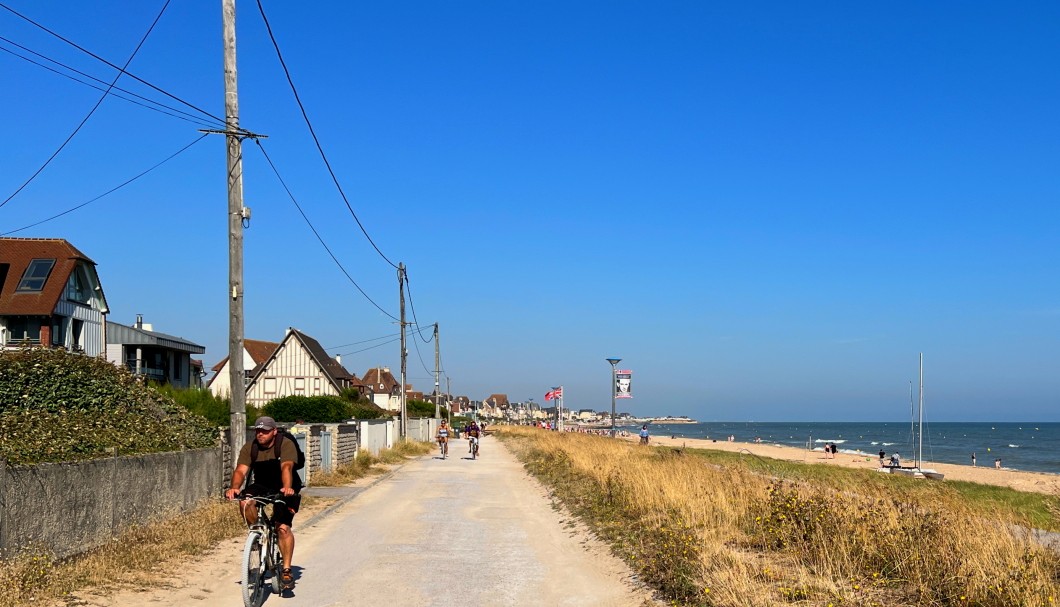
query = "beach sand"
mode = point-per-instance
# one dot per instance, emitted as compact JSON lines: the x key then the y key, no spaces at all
{"x":1035,"y":482}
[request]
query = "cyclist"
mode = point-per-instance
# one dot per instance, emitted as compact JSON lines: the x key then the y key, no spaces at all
{"x":443,"y":438}
{"x":271,"y":475}
{"x":473,"y":434}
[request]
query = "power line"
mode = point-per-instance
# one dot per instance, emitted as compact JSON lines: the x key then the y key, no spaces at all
{"x":357,"y":343}
{"x":110,"y":191}
{"x":415,"y":321}
{"x":385,"y":343}
{"x":316,"y":140}
{"x":121,"y":70}
{"x":92,"y":111}
{"x":317,"y":234}
{"x":174,"y":112}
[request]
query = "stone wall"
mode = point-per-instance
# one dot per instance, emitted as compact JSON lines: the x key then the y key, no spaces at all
{"x":68,"y":508}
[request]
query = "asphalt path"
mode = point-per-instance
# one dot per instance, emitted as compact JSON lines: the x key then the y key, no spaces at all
{"x":433,"y":532}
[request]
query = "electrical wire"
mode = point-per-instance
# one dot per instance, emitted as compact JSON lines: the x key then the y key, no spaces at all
{"x":357,"y":343}
{"x":110,"y":191}
{"x":317,"y":234}
{"x":121,"y":70}
{"x":415,"y":321}
{"x":90,"y":112}
{"x":385,"y":343}
{"x":174,"y":112}
{"x":316,"y":140}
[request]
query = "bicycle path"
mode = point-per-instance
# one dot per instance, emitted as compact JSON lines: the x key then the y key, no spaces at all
{"x":435,"y":532}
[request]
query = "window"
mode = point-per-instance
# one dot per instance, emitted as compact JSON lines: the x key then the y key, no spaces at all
{"x":75,"y":289}
{"x":316,"y":384}
{"x":23,"y":329}
{"x":36,"y":275}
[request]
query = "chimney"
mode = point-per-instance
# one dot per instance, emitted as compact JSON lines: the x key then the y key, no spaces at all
{"x":338,"y":358}
{"x":139,"y":321}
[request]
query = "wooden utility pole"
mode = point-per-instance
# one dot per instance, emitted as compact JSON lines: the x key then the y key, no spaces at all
{"x":437,"y":389}
{"x":401,"y":295}
{"x":238,"y":422}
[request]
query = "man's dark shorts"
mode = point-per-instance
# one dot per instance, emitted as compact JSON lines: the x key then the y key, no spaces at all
{"x":281,"y":515}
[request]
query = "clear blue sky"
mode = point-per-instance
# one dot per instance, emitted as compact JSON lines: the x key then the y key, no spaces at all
{"x":766,"y":209}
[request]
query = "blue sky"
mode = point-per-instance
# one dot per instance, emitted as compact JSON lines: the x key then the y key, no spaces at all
{"x":766,"y":210}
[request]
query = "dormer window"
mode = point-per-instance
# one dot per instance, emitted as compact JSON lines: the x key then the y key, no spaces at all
{"x":36,"y":275}
{"x":75,"y":289}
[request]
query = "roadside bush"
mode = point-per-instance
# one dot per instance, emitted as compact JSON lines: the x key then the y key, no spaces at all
{"x":199,"y":401}
{"x":57,"y":406}
{"x":309,"y":409}
{"x":422,"y":408}
{"x":367,"y":410}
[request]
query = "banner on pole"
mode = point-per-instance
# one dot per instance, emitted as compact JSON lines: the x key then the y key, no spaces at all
{"x":623,"y":379}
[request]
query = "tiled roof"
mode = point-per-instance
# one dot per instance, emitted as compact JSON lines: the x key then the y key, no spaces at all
{"x":380,"y":375}
{"x":259,"y":351}
{"x":331,"y":367}
{"x":16,"y":254}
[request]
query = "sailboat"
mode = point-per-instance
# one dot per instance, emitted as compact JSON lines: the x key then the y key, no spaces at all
{"x":916,"y":471}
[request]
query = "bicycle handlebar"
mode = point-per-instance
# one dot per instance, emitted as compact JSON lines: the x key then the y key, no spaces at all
{"x":275,"y":498}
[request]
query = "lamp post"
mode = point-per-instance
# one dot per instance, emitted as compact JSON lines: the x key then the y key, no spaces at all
{"x":530,"y":410}
{"x":613,"y":361}
{"x":559,"y":409}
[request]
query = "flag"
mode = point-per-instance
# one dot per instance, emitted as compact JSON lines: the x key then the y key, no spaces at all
{"x":554,"y":394}
{"x":623,"y":384}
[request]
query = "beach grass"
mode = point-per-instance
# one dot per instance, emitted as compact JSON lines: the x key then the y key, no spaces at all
{"x":712,"y":528}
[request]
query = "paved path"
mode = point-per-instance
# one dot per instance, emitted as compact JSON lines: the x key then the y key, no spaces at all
{"x":452,"y":532}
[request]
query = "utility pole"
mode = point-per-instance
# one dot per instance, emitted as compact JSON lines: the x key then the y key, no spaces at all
{"x":437,"y":364}
{"x":401,"y":296}
{"x":236,"y":378}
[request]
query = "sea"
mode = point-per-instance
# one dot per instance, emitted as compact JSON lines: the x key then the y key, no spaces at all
{"x":1020,"y":446}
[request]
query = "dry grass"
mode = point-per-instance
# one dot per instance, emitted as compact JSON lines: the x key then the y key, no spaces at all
{"x":137,"y":557}
{"x":366,"y":464}
{"x":725,"y":535}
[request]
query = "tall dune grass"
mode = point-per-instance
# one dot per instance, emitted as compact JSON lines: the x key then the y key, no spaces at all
{"x":707,"y":534}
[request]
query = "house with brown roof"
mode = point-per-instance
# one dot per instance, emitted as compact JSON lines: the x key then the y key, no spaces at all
{"x":299,"y":366}
{"x":50,"y":295}
{"x":385,"y":389}
{"x":255,"y":352}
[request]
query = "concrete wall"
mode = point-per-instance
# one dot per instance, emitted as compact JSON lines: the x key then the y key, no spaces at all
{"x":71,"y":507}
{"x":423,"y":429}
{"x":376,"y":434}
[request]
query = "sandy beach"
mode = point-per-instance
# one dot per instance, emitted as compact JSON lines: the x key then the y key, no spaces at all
{"x":1037,"y":482}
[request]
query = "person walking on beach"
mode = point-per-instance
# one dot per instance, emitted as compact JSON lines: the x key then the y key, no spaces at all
{"x":997,"y":463}
{"x":644,"y":434}
{"x":883,"y":454}
{"x":973,"y":460}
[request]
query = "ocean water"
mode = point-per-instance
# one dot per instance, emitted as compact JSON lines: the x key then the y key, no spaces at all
{"x":1021,"y":446}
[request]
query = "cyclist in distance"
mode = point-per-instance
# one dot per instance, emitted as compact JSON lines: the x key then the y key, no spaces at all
{"x":272,"y":475}
{"x":473,"y":434}
{"x":443,"y":438}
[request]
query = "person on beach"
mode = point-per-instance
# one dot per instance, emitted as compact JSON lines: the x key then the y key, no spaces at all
{"x":644,"y":434}
{"x":883,"y":455}
{"x":997,"y":463}
{"x":973,"y":460}
{"x":834,"y":450}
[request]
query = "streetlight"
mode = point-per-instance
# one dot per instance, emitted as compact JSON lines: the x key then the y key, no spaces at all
{"x":559,"y":408}
{"x":613,"y":361}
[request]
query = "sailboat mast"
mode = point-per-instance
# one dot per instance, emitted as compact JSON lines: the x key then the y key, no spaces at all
{"x":920,"y":447}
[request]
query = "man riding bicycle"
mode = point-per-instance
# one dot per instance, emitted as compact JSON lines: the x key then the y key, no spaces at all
{"x":272,"y":475}
{"x":473,"y":434}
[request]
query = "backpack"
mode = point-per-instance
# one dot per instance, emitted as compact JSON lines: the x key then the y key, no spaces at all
{"x":280,"y":436}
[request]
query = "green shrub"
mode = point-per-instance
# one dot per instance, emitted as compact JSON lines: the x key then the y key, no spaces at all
{"x":308,"y":409}
{"x":422,"y":408}
{"x":199,"y":401}
{"x":367,"y":410}
{"x":57,"y":406}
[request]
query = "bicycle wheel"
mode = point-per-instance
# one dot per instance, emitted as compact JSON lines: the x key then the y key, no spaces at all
{"x":275,"y":564}
{"x":253,"y":569}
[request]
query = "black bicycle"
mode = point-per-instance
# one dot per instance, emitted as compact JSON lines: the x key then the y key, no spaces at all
{"x":261,"y":553}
